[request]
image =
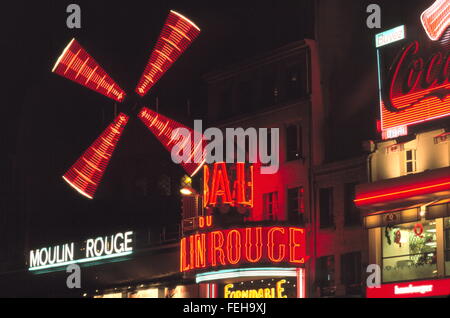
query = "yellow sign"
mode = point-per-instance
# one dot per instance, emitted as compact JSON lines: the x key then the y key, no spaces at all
{"x":274,"y":292}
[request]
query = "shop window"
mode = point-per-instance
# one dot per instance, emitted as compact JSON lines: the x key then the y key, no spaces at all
{"x":296,"y":205}
{"x":351,"y":272}
{"x":293,"y":142}
{"x":351,"y":213}
{"x":326,"y":207}
{"x":409,"y":251}
{"x":447,"y":245}
{"x":325,"y":272}
{"x":410,"y":161}
{"x":270,"y":205}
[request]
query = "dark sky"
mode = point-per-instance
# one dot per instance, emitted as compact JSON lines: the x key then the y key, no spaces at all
{"x":49,"y":121}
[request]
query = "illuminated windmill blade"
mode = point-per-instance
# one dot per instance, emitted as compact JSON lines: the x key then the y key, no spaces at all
{"x":163,"y":127}
{"x":176,"y":36}
{"x":86,"y":174}
{"x":436,"y":19}
{"x":78,"y":66}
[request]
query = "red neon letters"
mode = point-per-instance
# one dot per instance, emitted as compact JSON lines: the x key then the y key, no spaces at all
{"x":217,"y":188}
{"x":243,"y":246}
{"x":424,"y":288}
{"x":418,"y":89}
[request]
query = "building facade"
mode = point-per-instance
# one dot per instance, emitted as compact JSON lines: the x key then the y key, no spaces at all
{"x":339,"y":255}
{"x":405,"y":203}
{"x":258,"y":244}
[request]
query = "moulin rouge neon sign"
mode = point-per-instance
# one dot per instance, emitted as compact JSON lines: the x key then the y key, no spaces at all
{"x":230,"y":247}
{"x":221,"y":187}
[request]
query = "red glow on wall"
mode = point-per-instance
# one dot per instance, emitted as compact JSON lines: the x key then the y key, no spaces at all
{"x":423,"y":288}
{"x":78,"y":66}
{"x":270,"y":245}
{"x":86,"y":174}
{"x":219,"y":188}
{"x":176,"y":36}
{"x":436,"y":19}
{"x":402,"y":192}
{"x":163,"y":128}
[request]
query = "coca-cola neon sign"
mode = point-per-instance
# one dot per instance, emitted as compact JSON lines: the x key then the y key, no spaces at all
{"x":414,"y":83}
{"x":251,"y":245}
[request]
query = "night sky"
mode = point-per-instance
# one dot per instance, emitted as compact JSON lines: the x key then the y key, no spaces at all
{"x":49,"y":121}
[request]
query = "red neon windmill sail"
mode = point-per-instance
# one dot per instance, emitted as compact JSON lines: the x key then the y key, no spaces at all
{"x":163,"y":128}
{"x":176,"y":36}
{"x":78,"y":66}
{"x":86,"y":173}
{"x":436,"y":19}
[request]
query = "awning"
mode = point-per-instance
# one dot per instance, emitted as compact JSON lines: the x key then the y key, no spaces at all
{"x":412,"y":213}
{"x":405,"y":191}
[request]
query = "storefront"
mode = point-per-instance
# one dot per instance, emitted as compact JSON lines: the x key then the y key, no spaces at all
{"x":405,"y":204}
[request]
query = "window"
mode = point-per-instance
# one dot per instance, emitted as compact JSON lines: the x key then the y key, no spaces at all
{"x":325,"y":275}
{"x":351,"y":272}
{"x":351,"y":213}
{"x":164,"y":185}
{"x":326,"y":207}
{"x":270,"y":90}
{"x":141,"y":186}
{"x":293,"y":142}
{"x":226,"y":104}
{"x":447,"y":245}
{"x":410,"y":161}
{"x":296,"y":204}
{"x":409,"y":251}
{"x":270,"y":208}
{"x":245,"y":97}
{"x":296,"y":82}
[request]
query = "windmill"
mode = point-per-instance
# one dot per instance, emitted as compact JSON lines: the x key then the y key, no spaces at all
{"x":77,"y":65}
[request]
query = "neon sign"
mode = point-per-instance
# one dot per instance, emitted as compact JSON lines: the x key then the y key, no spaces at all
{"x":414,"y":84}
{"x":220,"y":188}
{"x":252,"y":245}
{"x":425,"y":288}
{"x":436,"y":19}
{"x":268,"y":290}
{"x":93,"y":249}
{"x":390,"y":36}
